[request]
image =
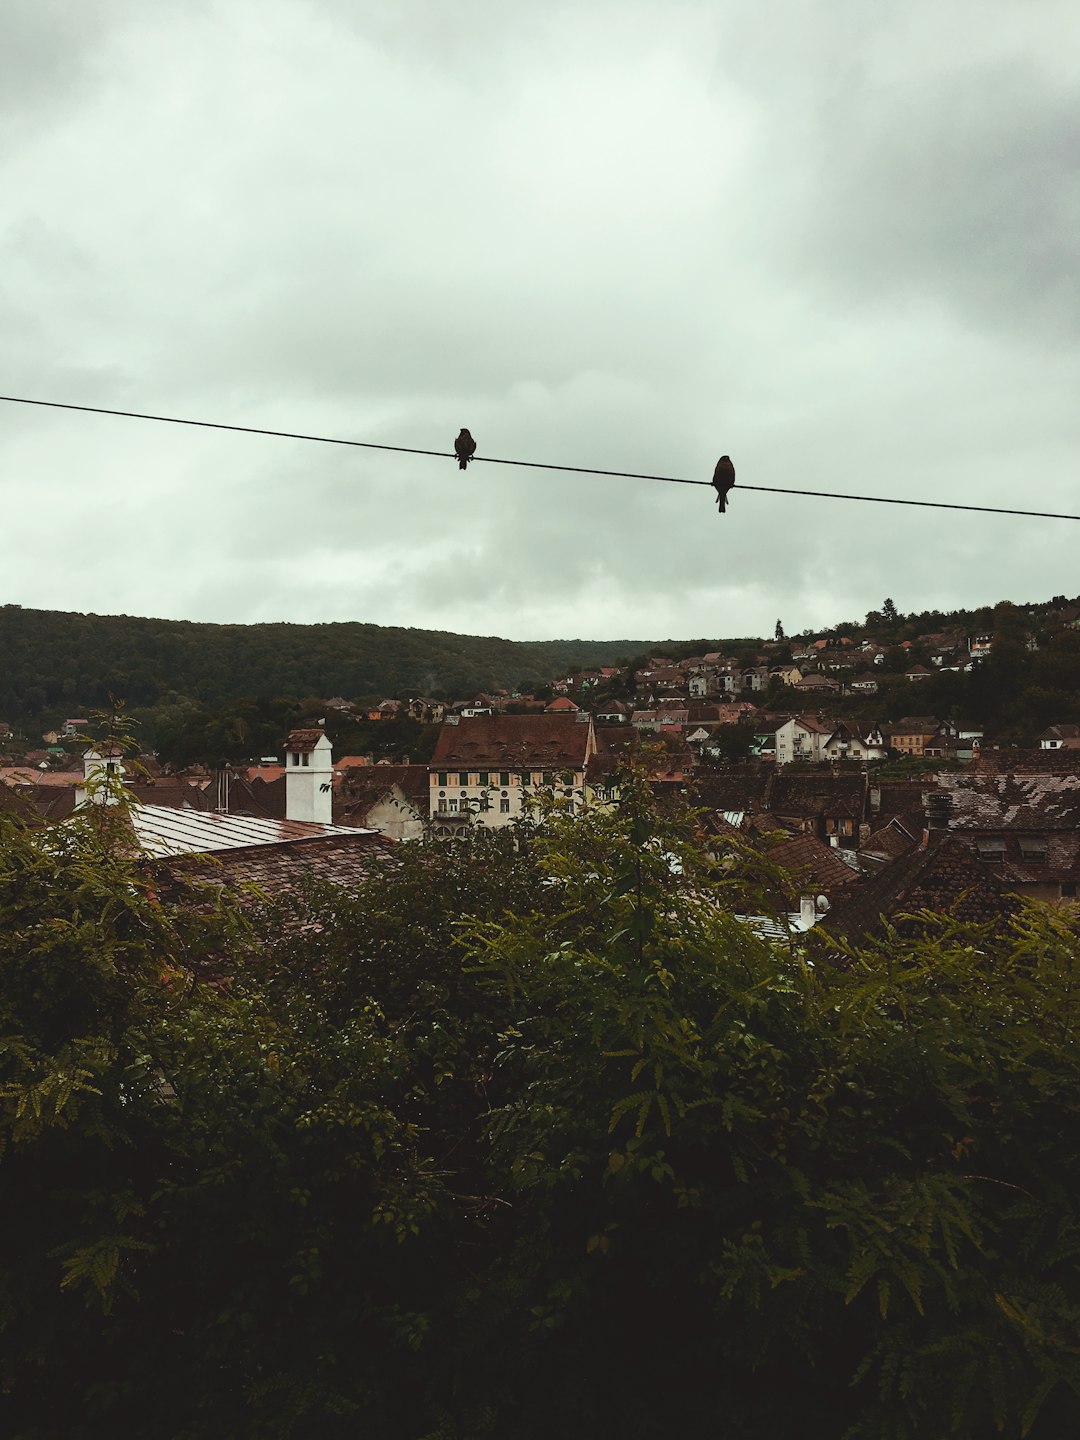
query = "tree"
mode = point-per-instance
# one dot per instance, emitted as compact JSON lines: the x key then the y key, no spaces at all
{"x":778,"y":633}
{"x":889,"y":612}
{"x":531,"y":1112}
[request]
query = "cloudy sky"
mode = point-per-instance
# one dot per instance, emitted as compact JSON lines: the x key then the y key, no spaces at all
{"x":837,"y":240}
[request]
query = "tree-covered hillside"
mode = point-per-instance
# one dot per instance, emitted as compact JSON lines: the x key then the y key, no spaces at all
{"x":55,"y":659}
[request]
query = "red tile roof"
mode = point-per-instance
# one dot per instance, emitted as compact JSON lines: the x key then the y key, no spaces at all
{"x":513,"y":741}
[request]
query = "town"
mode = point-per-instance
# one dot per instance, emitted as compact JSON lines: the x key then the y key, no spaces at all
{"x":784,"y":744}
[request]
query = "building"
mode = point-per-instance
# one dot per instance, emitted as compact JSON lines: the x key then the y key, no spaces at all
{"x":803,"y":737}
{"x":1060,"y":737}
{"x":912,"y":734}
{"x":485,"y":769}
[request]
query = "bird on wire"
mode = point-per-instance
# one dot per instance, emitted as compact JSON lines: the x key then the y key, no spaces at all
{"x":464,"y":449}
{"x":723,"y":480}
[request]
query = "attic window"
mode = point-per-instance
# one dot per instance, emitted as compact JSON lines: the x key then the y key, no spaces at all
{"x":1033,"y":851}
{"x":992,"y":850}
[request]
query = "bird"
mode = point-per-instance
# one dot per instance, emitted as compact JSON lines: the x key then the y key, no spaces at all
{"x":723,"y":480}
{"x":464,"y":449}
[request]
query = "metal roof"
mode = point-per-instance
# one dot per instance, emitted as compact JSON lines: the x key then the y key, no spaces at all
{"x":162,"y":830}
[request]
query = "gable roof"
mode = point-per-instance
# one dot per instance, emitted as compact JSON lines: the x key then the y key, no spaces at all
{"x":944,"y":877}
{"x":513,"y":741}
{"x":811,"y":864}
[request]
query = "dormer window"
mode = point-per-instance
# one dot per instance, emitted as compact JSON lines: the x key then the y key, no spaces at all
{"x":990,"y":850}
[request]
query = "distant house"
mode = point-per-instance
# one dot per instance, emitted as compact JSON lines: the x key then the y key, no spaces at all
{"x":917,"y":672}
{"x":613,"y":713}
{"x":72,"y":728}
{"x":850,"y":741}
{"x":912,"y":734}
{"x":787,"y":674}
{"x":755,"y":678}
{"x":803,"y":737}
{"x":864,"y":684}
{"x":816,"y":684}
{"x":1060,"y":737}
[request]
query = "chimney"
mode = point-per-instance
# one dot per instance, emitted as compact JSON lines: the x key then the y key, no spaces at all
{"x":938,"y":807}
{"x":309,"y":777}
{"x":938,"y":811}
{"x":104,"y":769}
{"x":221,"y":788}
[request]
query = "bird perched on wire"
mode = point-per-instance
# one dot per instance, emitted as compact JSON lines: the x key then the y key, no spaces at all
{"x":464,"y":449}
{"x":723,"y":480}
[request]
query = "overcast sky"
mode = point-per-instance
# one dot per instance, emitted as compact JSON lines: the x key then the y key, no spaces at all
{"x":836,"y":240}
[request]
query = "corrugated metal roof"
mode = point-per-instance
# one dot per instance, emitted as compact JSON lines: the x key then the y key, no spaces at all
{"x":164,"y":831}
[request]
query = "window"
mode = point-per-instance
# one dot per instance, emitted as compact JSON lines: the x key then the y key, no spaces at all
{"x":453,"y":807}
{"x":504,"y":777}
{"x":304,"y":758}
{"x":990,"y":850}
{"x":442,"y":777}
{"x":442,"y":807}
{"x":504,"y":807}
{"x":547,"y":777}
{"x":1033,"y":850}
{"x":482,"y":778}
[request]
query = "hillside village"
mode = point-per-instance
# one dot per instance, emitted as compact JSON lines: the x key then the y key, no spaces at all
{"x":785,"y":746}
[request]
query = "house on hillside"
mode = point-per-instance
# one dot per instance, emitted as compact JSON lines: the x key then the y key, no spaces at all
{"x":803,"y":737}
{"x":912,"y":734}
{"x":1060,"y":737}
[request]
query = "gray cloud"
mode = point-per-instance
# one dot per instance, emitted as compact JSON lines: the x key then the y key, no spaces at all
{"x":834,"y":243}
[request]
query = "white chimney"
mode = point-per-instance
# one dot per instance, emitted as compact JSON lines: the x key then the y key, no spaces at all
{"x":101,"y":768}
{"x":309,"y":777}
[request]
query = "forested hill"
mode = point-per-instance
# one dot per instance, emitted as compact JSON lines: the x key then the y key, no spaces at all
{"x":53,"y":658}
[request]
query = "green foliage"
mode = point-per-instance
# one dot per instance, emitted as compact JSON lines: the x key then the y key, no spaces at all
{"x":531,"y":1137}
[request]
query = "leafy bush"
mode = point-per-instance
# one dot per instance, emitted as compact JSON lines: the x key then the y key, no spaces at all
{"x":532,"y":1137}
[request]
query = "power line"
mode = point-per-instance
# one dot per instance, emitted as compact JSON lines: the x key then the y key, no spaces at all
{"x":528,"y":464}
